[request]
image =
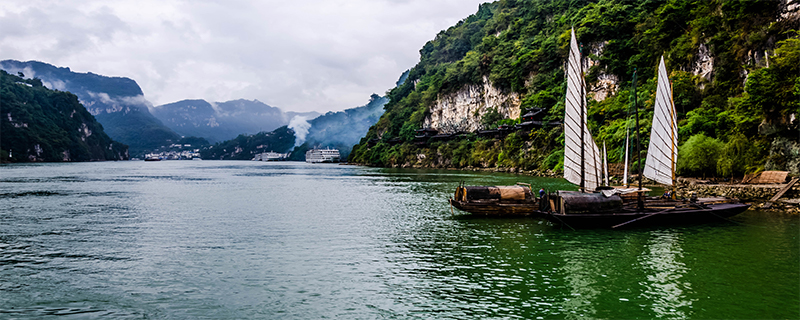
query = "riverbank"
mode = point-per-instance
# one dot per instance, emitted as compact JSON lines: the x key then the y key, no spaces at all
{"x":756,"y":194}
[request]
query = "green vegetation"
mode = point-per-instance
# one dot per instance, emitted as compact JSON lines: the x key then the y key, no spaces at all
{"x":245,"y":147}
{"x":341,"y":130}
{"x":744,"y":104}
{"x":39,"y":124}
{"x":116,"y":102}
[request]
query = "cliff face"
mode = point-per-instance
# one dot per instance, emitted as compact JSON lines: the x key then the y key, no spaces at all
{"x":732,"y":64}
{"x":464,"y":109}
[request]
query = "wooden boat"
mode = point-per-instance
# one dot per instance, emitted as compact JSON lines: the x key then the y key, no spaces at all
{"x":597,"y":206}
{"x":496,"y":201}
{"x":675,"y":212}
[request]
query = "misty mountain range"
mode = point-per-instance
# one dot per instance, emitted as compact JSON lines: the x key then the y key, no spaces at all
{"x":341,"y":130}
{"x":221,"y":121}
{"x":119,"y":105}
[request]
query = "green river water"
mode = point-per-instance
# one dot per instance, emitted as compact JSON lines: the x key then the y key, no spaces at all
{"x":290,"y":240}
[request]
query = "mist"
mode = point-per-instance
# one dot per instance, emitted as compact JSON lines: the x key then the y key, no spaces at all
{"x":300,"y":126}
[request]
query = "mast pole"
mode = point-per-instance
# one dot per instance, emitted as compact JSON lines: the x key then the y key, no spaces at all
{"x":583,"y":122}
{"x":673,"y":129}
{"x":640,"y":201}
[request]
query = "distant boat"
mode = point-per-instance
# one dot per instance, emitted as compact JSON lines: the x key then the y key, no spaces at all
{"x":270,"y":156}
{"x":322,"y":155}
{"x":152,"y":158}
{"x":602,"y":206}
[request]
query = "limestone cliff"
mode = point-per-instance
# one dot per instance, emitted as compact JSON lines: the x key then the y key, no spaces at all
{"x":464,"y":109}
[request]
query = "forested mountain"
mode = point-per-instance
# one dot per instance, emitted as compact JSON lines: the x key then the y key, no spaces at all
{"x":223,"y":120}
{"x":117,"y":103}
{"x":734,"y":67}
{"x":39,"y":124}
{"x":245,"y":147}
{"x":341,"y":130}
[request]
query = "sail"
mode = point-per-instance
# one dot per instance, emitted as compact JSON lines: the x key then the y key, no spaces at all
{"x":663,"y":150}
{"x":625,"y":173}
{"x":581,"y":155}
{"x":605,"y":165}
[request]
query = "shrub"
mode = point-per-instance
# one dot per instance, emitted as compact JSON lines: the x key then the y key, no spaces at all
{"x":699,"y":156}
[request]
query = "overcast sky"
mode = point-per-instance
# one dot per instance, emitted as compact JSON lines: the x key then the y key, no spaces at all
{"x":298,"y":55}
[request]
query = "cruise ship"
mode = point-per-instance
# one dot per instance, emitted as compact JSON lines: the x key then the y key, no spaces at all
{"x":270,"y":156}
{"x":322,"y":155}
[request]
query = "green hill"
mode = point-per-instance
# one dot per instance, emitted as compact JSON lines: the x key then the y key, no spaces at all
{"x":116,"y":102}
{"x":341,"y":130}
{"x":39,"y":124}
{"x":734,"y":66}
{"x":245,"y":147}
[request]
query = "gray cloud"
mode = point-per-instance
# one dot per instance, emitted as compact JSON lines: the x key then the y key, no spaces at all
{"x":297,"y":55}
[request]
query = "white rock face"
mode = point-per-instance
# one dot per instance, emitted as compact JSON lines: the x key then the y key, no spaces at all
{"x":463,"y":110}
{"x":607,"y":84}
{"x":704,"y":64}
{"x":791,"y":10}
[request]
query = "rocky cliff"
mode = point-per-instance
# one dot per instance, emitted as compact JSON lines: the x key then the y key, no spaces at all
{"x":464,"y":109}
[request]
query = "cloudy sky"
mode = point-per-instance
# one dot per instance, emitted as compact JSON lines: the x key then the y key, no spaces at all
{"x":298,"y":55}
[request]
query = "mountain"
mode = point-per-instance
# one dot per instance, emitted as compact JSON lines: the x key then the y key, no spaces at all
{"x":245,"y":147}
{"x":223,"y":120}
{"x":733,"y":67}
{"x":117,"y":103}
{"x":39,"y":124}
{"x":340,"y":130}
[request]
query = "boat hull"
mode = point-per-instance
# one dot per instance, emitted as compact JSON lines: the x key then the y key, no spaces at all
{"x":498,"y":208}
{"x":707,"y":213}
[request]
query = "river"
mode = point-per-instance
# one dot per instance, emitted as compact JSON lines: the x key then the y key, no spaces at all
{"x":290,"y":240}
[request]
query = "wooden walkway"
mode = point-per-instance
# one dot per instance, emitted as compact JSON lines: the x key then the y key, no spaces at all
{"x":780,"y":193}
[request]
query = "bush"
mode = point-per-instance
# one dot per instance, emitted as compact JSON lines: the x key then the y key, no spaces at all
{"x":699,"y":156}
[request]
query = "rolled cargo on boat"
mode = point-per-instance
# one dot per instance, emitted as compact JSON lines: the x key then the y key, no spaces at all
{"x":579,"y":202}
{"x":498,"y":192}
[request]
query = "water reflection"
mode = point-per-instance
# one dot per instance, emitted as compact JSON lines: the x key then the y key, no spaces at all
{"x":580,"y":275}
{"x":665,"y":286}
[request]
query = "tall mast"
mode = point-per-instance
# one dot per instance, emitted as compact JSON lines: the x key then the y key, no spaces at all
{"x":674,"y":146}
{"x":583,"y":123}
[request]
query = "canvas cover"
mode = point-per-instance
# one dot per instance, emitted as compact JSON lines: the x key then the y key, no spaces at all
{"x":578,"y":202}
{"x":767,"y":177}
{"x":498,"y":193}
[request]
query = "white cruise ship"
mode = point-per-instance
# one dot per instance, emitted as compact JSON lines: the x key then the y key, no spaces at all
{"x":322,"y":155}
{"x":270,"y":156}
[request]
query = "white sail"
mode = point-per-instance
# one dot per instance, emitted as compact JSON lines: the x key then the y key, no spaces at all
{"x":663,"y":150}
{"x":605,"y":165}
{"x":578,"y":146}
{"x":625,"y":174}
